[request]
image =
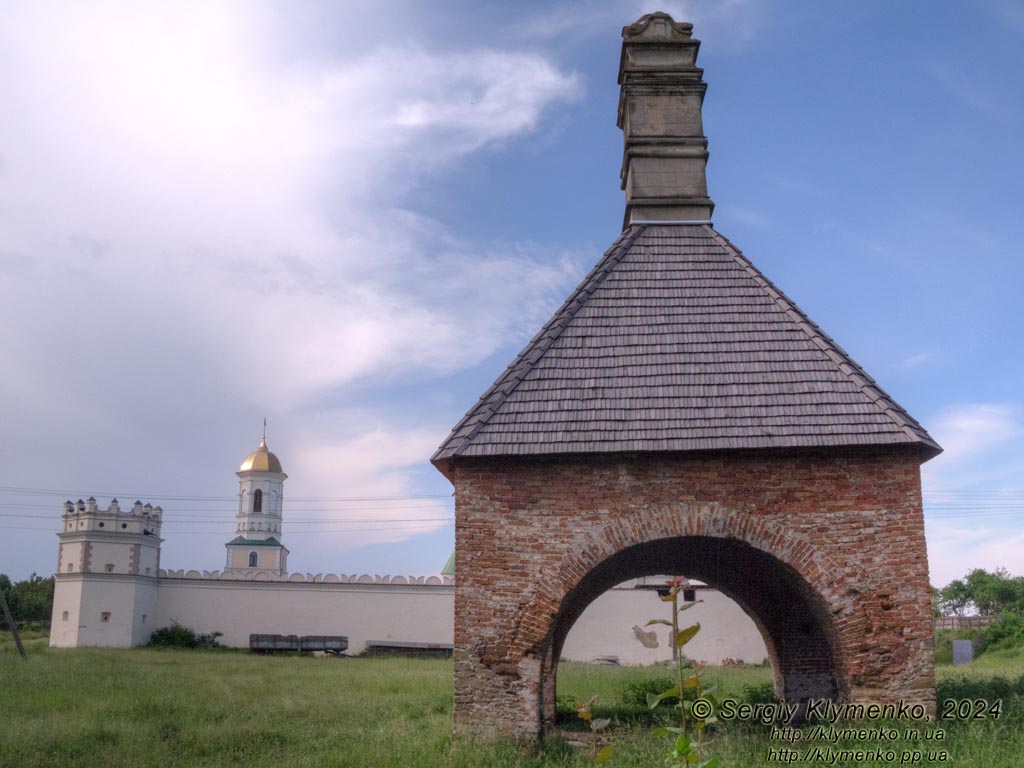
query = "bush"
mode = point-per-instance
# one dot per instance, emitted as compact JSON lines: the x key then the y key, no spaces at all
{"x":177,"y":636}
{"x":634,"y":695}
{"x":762,"y":693}
{"x":1005,"y":633}
{"x":1009,"y":691}
{"x":944,"y":642}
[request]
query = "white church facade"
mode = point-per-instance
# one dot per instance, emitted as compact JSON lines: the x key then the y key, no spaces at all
{"x":111,"y":591}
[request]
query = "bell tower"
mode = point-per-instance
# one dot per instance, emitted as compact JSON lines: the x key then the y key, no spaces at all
{"x":257,"y":546}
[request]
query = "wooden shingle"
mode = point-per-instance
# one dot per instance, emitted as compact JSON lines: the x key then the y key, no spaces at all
{"x":675,"y":342}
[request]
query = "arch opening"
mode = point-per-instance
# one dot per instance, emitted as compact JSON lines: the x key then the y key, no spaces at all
{"x":794,"y":620}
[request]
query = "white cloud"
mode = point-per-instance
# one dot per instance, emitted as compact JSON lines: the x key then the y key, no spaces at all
{"x":972,"y":490}
{"x":916,"y":360}
{"x":969,"y":433}
{"x":169,"y":173}
{"x":958,"y":81}
{"x":375,"y":462}
{"x":734,"y":24}
{"x":954,"y":550}
{"x":745,"y":216}
{"x":201,"y":218}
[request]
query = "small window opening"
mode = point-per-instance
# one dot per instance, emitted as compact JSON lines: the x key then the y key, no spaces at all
{"x":64,"y":616}
{"x":101,"y":525}
{"x":105,"y":616}
{"x":143,"y":618}
{"x":109,"y":567}
{"x":252,"y":559}
{"x":124,"y":525}
{"x":71,"y":567}
{"x":257,"y":501}
{"x":689,"y":595}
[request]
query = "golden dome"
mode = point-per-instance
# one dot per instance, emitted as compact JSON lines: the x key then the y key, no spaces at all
{"x":261,"y":460}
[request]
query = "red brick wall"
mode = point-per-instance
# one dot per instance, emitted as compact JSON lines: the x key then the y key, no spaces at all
{"x":826,"y":550}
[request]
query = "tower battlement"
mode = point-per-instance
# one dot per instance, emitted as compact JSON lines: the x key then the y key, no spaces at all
{"x":109,"y":541}
{"x":138,"y":519}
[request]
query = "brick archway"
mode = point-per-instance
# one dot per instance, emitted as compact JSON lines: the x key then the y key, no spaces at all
{"x":590,"y":554}
{"x":826,"y":551}
{"x":757,"y":563}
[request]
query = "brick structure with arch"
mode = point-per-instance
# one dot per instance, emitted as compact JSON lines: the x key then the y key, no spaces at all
{"x":680,"y":415}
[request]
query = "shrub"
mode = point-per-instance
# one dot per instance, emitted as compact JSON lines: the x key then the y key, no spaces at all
{"x":177,"y":636}
{"x":1009,"y":691}
{"x":944,"y":642}
{"x":1005,"y":633}
{"x":762,"y":693}
{"x":634,"y":695}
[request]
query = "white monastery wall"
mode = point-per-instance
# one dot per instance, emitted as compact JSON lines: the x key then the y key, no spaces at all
{"x":606,"y":629}
{"x":361,"y":612}
{"x":114,"y":610}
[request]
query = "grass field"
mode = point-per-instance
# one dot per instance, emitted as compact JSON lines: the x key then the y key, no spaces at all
{"x":143,"y":707}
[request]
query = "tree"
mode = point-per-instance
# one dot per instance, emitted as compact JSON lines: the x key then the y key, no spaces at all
{"x":987,"y":593}
{"x":30,"y":600}
{"x":954,"y":598}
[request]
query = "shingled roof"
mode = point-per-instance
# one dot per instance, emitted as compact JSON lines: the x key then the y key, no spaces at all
{"x":676,"y":342}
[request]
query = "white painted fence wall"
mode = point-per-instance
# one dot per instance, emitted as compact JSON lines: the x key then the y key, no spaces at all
{"x":361,"y":612}
{"x":367,"y":608}
{"x":606,"y":629}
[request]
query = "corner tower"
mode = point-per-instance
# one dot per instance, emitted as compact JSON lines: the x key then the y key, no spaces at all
{"x":106,"y":588}
{"x":257,"y":546}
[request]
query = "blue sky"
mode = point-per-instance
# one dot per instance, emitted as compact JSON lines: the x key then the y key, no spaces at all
{"x":349,"y":219}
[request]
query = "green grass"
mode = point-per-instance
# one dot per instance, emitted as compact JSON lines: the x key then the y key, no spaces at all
{"x":578,"y":682}
{"x":164,"y":708}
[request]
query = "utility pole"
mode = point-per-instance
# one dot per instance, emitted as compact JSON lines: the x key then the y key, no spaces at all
{"x":14,"y":627}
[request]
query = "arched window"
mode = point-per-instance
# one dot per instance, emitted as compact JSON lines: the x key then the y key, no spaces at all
{"x":252,"y":559}
{"x":257,"y":501}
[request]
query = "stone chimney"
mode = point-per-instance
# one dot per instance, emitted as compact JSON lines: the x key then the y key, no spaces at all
{"x":663,"y":163}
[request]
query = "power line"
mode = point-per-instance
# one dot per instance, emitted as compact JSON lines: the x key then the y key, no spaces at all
{"x":289,"y":521}
{"x":65,"y":493}
{"x":392,"y":529}
{"x":234,"y":509}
